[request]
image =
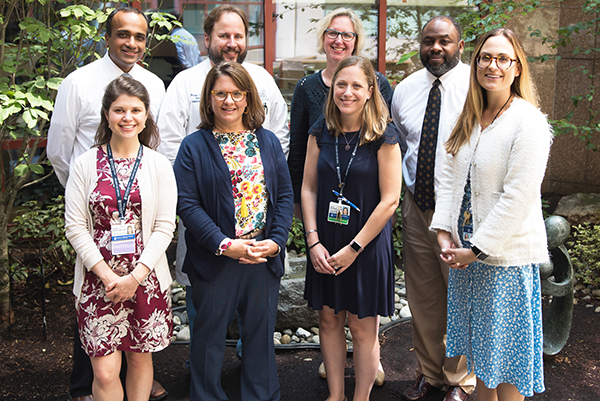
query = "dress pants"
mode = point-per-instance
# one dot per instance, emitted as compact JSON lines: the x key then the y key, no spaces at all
{"x":426,"y":290}
{"x":252,"y":291}
{"x":82,"y":375}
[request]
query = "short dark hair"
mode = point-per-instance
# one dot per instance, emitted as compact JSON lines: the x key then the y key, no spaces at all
{"x":447,"y":18}
{"x":216,"y":13}
{"x":254,"y":117}
{"x":124,"y":10}
{"x":126,"y":85}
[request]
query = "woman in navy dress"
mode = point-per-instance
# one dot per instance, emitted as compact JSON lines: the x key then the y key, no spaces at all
{"x":354,"y":152}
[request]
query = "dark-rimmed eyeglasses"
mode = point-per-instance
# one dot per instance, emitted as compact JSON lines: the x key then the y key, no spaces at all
{"x":502,"y":62}
{"x":237,"y":96}
{"x":347,"y":36}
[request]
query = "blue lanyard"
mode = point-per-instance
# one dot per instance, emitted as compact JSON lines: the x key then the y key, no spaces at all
{"x":122,"y":202}
{"x":337,"y":164}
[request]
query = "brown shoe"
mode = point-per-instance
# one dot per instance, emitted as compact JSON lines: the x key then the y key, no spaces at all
{"x":419,"y":391}
{"x":158,"y":392}
{"x":83,"y":398}
{"x":456,"y":394}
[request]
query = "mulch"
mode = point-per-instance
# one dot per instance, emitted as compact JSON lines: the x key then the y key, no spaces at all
{"x":35,"y":369}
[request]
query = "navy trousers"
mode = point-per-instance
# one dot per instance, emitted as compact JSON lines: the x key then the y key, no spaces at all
{"x":252,"y":291}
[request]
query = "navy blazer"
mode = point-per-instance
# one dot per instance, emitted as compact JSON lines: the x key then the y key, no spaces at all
{"x":205,"y":203}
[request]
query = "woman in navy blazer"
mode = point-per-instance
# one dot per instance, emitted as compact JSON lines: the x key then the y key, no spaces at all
{"x":235,"y":199}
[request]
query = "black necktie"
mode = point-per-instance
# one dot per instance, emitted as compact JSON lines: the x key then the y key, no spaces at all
{"x":424,"y":192}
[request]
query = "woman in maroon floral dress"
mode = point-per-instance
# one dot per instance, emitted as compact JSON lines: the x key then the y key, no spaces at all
{"x":121,"y":275}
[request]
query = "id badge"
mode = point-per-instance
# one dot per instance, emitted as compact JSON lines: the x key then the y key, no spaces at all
{"x":467,"y":232}
{"x":122,"y":238}
{"x":338,"y":213}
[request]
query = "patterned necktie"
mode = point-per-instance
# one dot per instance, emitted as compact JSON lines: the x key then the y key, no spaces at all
{"x":424,"y":192}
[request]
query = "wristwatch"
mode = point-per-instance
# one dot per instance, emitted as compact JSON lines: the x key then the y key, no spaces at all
{"x":478,"y":253}
{"x":356,"y":247}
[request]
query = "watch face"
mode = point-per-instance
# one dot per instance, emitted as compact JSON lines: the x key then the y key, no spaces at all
{"x":355,"y":246}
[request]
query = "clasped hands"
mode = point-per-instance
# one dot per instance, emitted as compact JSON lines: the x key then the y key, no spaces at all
{"x":337,"y":264}
{"x":456,"y":258}
{"x":119,"y":288}
{"x":251,"y":251}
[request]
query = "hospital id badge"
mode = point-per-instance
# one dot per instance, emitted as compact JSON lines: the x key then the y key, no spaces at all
{"x":122,"y":238}
{"x":467,"y":233}
{"x":338,"y":213}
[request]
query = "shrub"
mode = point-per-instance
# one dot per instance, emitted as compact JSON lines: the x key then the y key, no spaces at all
{"x":45,"y":225}
{"x":296,"y":240}
{"x":584,"y":249}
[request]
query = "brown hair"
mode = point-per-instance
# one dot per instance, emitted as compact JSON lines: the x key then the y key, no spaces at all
{"x":255,"y":115}
{"x":375,"y":113}
{"x":216,"y":13}
{"x":476,"y":102}
{"x":126,"y":85}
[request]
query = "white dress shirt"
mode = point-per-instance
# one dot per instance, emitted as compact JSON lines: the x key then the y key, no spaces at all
{"x":180,"y":112}
{"x":187,"y":47}
{"x":76,"y":114}
{"x":408,"y":110}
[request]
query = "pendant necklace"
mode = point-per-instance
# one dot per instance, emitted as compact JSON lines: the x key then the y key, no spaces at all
{"x":499,"y":111}
{"x":347,"y":147}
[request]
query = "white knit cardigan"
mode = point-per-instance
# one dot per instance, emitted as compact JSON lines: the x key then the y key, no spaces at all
{"x":507,"y":162}
{"x":158,"y":191}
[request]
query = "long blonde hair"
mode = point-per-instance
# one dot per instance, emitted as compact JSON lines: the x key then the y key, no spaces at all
{"x":476,"y":102}
{"x":375,"y":113}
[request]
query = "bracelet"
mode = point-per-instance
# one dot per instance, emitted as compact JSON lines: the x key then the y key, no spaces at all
{"x":310,"y":231}
{"x":278,"y":250}
{"x":225,"y":244}
{"x":313,"y":245}
{"x":136,"y":279}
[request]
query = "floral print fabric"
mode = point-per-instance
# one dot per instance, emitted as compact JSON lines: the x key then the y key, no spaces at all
{"x":142,"y":324}
{"x":242,"y":155}
{"x":495,"y":319}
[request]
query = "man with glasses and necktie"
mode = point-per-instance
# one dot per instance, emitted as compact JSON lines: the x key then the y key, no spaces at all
{"x":425,"y":107}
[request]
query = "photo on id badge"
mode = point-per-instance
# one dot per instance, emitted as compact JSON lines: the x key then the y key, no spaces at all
{"x":338,"y":213}
{"x":122,"y":238}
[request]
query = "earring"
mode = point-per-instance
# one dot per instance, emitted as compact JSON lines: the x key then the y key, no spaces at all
{"x":246,"y":110}
{"x":209,"y":109}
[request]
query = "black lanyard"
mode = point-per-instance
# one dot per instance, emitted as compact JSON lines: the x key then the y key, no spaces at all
{"x":337,"y":163}
{"x":122,"y":202}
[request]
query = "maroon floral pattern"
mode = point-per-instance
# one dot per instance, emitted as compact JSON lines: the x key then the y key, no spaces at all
{"x":142,"y":324}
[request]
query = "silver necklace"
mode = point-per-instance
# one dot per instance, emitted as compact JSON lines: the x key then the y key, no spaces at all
{"x":347,"y":147}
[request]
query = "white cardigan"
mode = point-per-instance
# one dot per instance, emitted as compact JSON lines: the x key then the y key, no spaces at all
{"x":507,"y":161}
{"x":158,"y":191}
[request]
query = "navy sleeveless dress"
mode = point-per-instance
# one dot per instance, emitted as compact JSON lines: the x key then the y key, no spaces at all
{"x":366,"y":288}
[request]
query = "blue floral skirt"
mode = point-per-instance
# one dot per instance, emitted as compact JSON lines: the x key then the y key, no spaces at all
{"x":495,"y":319}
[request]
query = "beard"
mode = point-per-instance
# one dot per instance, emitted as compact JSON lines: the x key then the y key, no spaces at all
{"x":438,"y":70}
{"x":217,"y":57}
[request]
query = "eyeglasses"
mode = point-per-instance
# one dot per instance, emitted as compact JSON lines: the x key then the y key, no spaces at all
{"x":502,"y":62}
{"x":346,"y":35}
{"x":237,"y":95}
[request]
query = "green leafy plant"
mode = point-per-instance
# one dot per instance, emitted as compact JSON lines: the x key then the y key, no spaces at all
{"x":584,"y":249}
{"x":44,"y":225}
{"x":397,"y":229}
{"x":296,"y":240}
{"x":18,"y":272}
{"x":484,"y":16}
{"x":41,"y":42}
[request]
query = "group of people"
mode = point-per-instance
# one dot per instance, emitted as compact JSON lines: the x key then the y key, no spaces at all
{"x":469,"y":142}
